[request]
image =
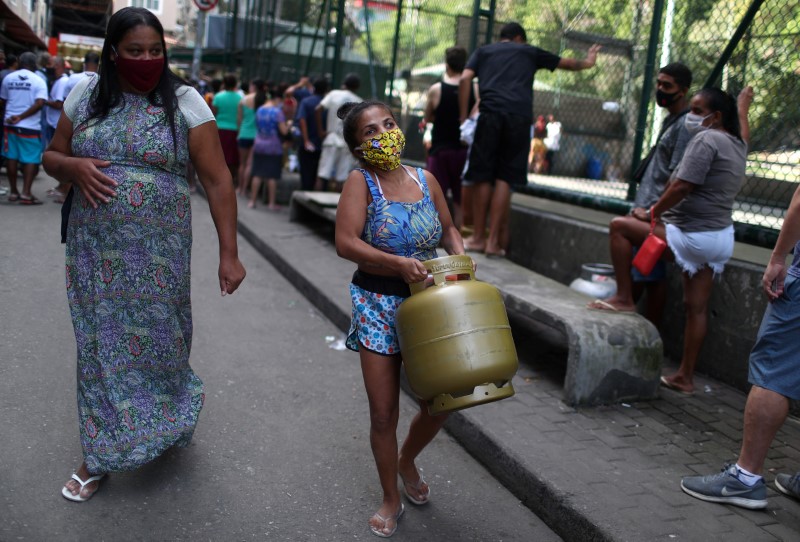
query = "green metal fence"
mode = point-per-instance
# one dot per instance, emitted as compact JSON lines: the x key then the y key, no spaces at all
{"x":608,"y":114}
{"x":726,"y":43}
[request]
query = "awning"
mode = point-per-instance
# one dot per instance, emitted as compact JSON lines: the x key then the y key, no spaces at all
{"x":16,"y":32}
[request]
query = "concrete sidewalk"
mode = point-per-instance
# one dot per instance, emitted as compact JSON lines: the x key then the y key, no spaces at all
{"x":605,"y":473}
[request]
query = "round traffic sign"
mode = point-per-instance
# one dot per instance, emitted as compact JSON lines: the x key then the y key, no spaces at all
{"x":205,"y":5}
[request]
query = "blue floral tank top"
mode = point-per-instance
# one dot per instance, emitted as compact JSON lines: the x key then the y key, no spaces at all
{"x":409,"y":229}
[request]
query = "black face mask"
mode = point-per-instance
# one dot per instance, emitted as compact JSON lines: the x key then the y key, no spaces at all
{"x":665,"y":99}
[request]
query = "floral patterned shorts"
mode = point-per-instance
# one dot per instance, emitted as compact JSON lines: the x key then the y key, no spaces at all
{"x":373,"y":321}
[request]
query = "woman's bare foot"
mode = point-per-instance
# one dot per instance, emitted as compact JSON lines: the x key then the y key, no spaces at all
{"x":473,"y":245}
{"x":494,"y":251}
{"x":679,"y":383}
{"x":383,"y":523}
{"x":613,"y":304}
{"x":74,"y":487}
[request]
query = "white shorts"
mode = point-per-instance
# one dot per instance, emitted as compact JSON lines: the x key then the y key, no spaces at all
{"x":335,"y":163}
{"x":694,"y":250}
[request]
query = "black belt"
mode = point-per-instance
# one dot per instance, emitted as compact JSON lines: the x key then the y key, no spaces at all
{"x":378,"y":284}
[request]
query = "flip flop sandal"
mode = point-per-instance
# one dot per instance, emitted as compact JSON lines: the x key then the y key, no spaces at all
{"x":670,"y":386}
{"x":496,"y":255}
{"x":29,"y":201}
{"x":13,"y":197}
{"x":417,"y":487}
{"x":77,"y":498}
{"x":395,"y":517}
{"x":472,"y":248}
{"x":600,"y":305}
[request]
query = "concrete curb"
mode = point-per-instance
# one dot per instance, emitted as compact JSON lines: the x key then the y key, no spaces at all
{"x":535,"y":493}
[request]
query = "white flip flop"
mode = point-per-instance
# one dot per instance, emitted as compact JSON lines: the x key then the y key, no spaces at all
{"x":77,"y":498}
{"x":417,"y":487}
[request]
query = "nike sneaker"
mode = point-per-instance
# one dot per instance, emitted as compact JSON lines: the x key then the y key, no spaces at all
{"x":788,"y":484}
{"x":726,"y":488}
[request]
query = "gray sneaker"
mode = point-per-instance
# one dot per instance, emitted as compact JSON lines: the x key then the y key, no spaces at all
{"x":788,"y":484}
{"x":726,"y":487}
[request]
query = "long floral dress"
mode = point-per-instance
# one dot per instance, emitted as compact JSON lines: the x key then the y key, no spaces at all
{"x":128,"y":278}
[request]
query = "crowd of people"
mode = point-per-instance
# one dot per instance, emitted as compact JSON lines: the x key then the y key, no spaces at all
{"x":32,"y":94}
{"x":127,"y":226}
{"x":266,"y":128}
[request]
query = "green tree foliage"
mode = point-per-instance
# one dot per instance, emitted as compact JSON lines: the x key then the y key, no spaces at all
{"x":426,"y":30}
{"x":766,"y":58}
{"x":549,"y":22}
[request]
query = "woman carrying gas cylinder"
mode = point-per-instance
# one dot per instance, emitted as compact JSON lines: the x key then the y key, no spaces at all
{"x":390,"y":218}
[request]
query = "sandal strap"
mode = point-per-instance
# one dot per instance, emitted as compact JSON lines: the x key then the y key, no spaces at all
{"x":393,"y":517}
{"x":88,"y":480}
{"x":416,"y":485}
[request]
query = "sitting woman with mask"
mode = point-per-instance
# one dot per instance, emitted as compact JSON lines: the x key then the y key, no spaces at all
{"x":694,"y":215}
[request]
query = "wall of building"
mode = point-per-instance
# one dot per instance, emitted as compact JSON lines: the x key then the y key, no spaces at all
{"x":167,"y":11}
{"x":35,"y":18}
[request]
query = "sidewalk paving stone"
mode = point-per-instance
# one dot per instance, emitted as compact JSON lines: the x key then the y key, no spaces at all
{"x":605,"y":473}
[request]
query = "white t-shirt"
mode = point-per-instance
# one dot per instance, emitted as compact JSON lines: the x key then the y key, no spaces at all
{"x":74,"y":79}
{"x":191,"y":105}
{"x":553,"y":139}
{"x":56,"y":95}
{"x":714,"y":162}
{"x":20,"y":90}
{"x":332,"y":102}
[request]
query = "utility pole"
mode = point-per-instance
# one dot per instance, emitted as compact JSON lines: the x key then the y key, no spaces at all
{"x":200,"y":33}
{"x":203,"y":6}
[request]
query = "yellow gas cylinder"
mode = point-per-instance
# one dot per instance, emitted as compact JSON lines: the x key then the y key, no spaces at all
{"x":455,"y":338}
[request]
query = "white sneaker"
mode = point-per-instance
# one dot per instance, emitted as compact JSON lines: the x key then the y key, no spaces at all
{"x":3,"y":191}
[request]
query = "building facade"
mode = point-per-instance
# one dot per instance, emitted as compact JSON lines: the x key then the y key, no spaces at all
{"x":23,"y":25}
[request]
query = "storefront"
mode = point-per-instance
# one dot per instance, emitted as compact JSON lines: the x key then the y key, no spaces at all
{"x":16,"y":34}
{"x":73,"y":48}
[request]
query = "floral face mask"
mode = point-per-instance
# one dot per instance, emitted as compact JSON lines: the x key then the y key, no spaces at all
{"x":383,"y":152}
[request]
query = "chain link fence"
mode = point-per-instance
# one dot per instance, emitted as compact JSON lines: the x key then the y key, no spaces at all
{"x":726,"y":43}
{"x":608,"y":114}
{"x":413,"y":36}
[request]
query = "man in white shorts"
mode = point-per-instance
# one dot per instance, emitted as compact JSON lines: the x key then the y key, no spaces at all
{"x":336,"y":160}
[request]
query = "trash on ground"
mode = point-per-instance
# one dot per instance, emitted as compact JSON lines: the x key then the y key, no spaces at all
{"x":334,"y":343}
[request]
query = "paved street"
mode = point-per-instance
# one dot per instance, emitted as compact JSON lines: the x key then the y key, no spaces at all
{"x":281,"y":451}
